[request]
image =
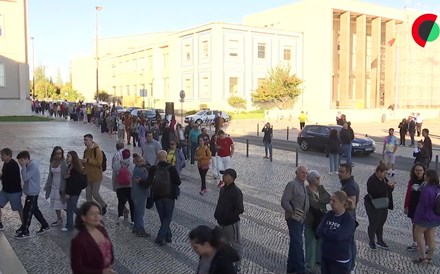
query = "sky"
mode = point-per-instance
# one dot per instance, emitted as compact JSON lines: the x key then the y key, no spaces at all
{"x":63,"y":29}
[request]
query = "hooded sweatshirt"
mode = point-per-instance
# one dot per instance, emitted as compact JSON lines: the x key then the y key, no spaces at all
{"x":31,"y":179}
{"x":93,"y":166}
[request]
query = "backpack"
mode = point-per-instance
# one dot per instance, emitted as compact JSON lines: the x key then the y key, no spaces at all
{"x":161,"y":186}
{"x":437,"y":204}
{"x":104,"y":160}
{"x":124,"y":176}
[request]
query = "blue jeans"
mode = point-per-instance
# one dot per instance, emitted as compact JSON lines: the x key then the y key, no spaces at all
{"x":334,"y":267}
{"x":268,"y":148}
{"x":346,"y":149}
{"x":165,"y":208}
{"x":194,"y":147}
{"x":334,"y":161}
{"x":72,"y":203}
{"x":295,"y":259}
{"x":139,"y":196}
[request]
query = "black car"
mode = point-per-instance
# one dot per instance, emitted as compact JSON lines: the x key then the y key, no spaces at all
{"x":316,"y":136}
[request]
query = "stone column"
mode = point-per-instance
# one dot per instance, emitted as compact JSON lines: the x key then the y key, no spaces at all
{"x":390,"y":90}
{"x":375,"y":61}
{"x":344,"y":59}
{"x":335,"y":90}
{"x":361,"y":53}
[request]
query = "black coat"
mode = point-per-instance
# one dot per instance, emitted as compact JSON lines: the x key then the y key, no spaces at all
{"x":223,"y":261}
{"x":229,"y":205}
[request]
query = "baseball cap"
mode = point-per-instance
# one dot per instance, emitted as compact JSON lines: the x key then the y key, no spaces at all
{"x":125,"y":154}
{"x":229,"y":171}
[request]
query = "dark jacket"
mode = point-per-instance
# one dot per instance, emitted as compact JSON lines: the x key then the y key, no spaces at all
{"x":223,"y":261}
{"x":351,"y":188}
{"x":11,"y":179}
{"x":174,"y":180}
{"x":422,"y":156}
{"x":333,"y":145}
{"x":318,"y":206}
{"x":85,"y":255}
{"x":377,"y":188}
{"x":403,"y":127}
{"x":344,"y":134}
{"x":229,"y":205}
{"x":73,"y":183}
{"x":428,"y":145}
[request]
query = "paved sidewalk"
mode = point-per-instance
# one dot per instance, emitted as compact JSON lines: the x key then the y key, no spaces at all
{"x":264,"y":231}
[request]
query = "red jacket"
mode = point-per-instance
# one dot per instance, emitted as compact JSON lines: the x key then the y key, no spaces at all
{"x":85,"y":255}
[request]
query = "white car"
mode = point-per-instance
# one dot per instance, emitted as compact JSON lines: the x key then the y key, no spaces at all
{"x":206,"y":116}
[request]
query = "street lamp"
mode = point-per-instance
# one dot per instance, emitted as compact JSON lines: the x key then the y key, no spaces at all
{"x":33,"y":69}
{"x":97,"y":8}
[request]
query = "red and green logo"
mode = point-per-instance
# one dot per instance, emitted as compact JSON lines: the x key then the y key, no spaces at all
{"x":425,"y":29}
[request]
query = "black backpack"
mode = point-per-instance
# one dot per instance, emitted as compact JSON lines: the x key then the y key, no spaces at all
{"x":104,"y":159}
{"x":161,"y":186}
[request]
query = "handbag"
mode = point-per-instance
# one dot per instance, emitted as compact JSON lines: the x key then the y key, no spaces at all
{"x":380,"y":203}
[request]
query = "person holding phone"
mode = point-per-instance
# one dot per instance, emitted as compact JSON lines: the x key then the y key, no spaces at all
{"x":267,"y":140}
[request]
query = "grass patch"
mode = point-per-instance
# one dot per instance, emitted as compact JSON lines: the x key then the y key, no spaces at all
{"x":254,"y":114}
{"x":24,"y":119}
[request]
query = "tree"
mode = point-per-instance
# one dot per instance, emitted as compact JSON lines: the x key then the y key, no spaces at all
{"x":237,"y":102}
{"x":279,"y":89}
{"x":103,"y":96}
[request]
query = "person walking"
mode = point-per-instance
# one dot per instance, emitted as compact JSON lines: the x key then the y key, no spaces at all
{"x":91,"y":250}
{"x":412,"y":129}
{"x":11,"y":184}
{"x":319,"y":198}
{"x":302,"y":120}
{"x":76,"y":181}
{"x":228,"y":210}
{"x":122,"y":185}
{"x":377,"y":202}
{"x":346,"y":146}
{"x":333,"y":148}
{"x":267,"y":140}
{"x":215,"y":256}
{"x":165,"y":182}
{"x":31,"y":188}
{"x":403,"y":129}
{"x":92,"y":161}
{"x":176,"y":157}
{"x":203,"y":156}
{"x":295,"y":202}
{"x":425,"y":219}
{"x":421,"y":154}
{"x":55,"y":182}
{"x":412,"y":197}
{"x":337,"y":230}
{"x":218,"y":122}
{"x":194,"y":141}
{"x":225,"y":150}
{"x":389,"y":151}
{"x":419,"y":124}
{"x":213,"y":148}
{"x":427,"y":143}
{"x":140,"y":192}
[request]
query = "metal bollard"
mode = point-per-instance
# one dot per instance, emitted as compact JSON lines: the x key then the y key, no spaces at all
{"x":258,"y":129}
{"x":296,"y":157}
{"x":436,"y":162}
{"x":247,"y":147}
{"x":287,"y":133}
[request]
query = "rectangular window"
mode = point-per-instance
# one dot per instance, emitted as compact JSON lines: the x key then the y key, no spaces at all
{"x":286,"y":54}
{"x":187,"y":53}
{"x":2,"y":75}
{"x":188,"y":87}
{"x":127,"y":87}
{"x":2,"y":28}
{"x":205,"y":52}
{"x":261,"y":51}
{"x":121,"y":91}
{"x":233,"y":48}
{"x":233,"y":85}
{"x":204,"y":89}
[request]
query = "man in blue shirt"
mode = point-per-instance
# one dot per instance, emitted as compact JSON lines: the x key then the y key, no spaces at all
{"x":389,"y":151}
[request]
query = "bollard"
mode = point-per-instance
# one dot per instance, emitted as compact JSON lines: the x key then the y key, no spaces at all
{"x":258,"y":129}
{"x":287,"y":133}
{"x":247,"y":147}
{"x":296,"y":157}
{"x":436,"y":162}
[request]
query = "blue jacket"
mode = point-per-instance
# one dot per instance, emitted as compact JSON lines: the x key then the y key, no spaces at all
{"x":138,"y":191}
{"x":337,"y":235}
{"x":425,"y":207}
{"x":31,"y":179}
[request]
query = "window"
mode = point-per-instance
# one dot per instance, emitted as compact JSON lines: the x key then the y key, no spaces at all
{"x":233,"y":48}
{"x":2,"y":31}
{"x":205,"y":51}
{"x":121,"y":91}
{"x":261,"y":51}
{"x":127,"y":89}
{"x":2,"y":75}
{"x":135,"y":90}
{"x":233,"y":85}
{"x":187,"y":51}
{"x":188,"y":87}
{"x":204,"y":88}
{"x":150,"y":63}
{"x":286,"y":54}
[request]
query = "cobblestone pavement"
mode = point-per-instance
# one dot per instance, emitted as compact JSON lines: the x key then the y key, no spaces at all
{"x":264,"y":230}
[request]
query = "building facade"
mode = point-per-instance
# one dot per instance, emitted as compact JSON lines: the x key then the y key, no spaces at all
{"x":14,"y":67}
{"x":210,"y":63}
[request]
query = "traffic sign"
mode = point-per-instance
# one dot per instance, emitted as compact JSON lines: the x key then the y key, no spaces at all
{"x":182,"y":94}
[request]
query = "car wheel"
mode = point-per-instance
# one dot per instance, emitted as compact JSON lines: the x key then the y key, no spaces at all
{"x":199,"y":122}
{"x":304,"y":145}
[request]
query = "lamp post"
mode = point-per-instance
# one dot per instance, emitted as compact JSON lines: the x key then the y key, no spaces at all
{"x":97,"y":8}
{"x":33,"y":68}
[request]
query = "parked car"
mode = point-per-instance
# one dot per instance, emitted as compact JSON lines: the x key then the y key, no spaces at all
{"x":316,"y":136}
{"x":161,"y":112}
{"x":206,"y":116}
{"x":148,"y":113}
{"x":120,"y":109}
{"x":130,"y":109}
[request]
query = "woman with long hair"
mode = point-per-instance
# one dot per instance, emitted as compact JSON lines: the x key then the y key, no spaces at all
{"x":216,"y":257}
{"x":91,"y":250}
{"x":425,"y":219}
{"x":416,"y":178}
{"x":180,"y":137}
{"x":55,"y":183}
{"x":336,"y":231}
{"x":76,"y":181}
{"x":203,"y":156}
{"x":377,"y":202}
{"x":333,"y":148}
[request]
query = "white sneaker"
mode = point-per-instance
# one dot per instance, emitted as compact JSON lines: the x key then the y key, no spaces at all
{"x":64,"y":229}
{"x":331,"y":173}
{"x":120,"y":220}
